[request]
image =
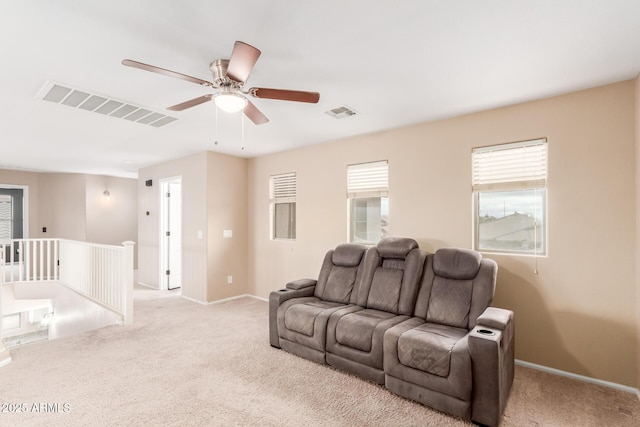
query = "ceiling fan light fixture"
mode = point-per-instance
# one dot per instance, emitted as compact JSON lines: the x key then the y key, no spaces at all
{"x":230,"y":102}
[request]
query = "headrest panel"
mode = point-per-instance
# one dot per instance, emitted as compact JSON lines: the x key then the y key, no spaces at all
{"x":396,"y":247}
{"x":348,"y":255}
{"x":459,"y":264}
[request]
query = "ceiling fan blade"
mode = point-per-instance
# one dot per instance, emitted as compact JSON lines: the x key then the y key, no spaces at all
{"x":286,"y":95}
{"x":191,"y":103}
{"x":243,"y":58}
{"x":154,"y":69}
{"x":254,"y":114}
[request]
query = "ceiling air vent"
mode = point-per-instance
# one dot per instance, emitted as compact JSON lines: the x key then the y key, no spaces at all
{"x":76,"y":98}
{"x":341,"y":112}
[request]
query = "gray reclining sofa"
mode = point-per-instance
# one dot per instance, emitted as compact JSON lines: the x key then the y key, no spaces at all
{"x":419,"y":323}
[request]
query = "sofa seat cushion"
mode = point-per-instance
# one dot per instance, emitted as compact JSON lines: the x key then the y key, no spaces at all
{"x":457,"y":384}
{"x":355,"y":330}
{"x":428,"y":347}
{"x":309,"y":314}
{"x":301,"y":317}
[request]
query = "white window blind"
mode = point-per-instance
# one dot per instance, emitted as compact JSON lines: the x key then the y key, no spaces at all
{"x":368,"y":179}
{"x":510,"y":166}
{"x":6,"y":217}
{"x":283,"y":188}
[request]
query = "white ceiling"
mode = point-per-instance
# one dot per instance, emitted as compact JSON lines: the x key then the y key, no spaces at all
{"x":394,"y":62}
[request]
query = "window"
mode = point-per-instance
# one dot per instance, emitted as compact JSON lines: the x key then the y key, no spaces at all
{"x":282,"y":198}
{"x":6,"y":217}
{"x":368,"y":202}
{"x":510,"y":197}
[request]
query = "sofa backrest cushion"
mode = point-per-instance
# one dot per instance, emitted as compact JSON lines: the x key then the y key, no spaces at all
{"x":348,"y":255}
{"x":391,"y":276}
{"x":395,"y":247}
{"x":340,"y":271}
{"x":450,"y":302}
{"x":457,"y":263}
{"x":457,"y":286}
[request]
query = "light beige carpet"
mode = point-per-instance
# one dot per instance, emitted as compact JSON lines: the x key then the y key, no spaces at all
{"x":184,"y":364}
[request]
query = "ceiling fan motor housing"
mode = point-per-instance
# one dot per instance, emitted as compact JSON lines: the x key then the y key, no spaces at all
{"x":219,"y":70}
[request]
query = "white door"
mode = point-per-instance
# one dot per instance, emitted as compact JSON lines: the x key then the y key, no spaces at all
{"x":171,"y":234}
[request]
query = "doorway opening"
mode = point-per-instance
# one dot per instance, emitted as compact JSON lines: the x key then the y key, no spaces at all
{"x":171,"y":233}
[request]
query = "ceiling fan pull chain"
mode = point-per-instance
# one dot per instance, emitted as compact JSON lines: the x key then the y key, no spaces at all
{"x":242,"y":129}
{"x":216,"y":141}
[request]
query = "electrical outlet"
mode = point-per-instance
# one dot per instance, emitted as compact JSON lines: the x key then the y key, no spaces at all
{"x":229,"y":280}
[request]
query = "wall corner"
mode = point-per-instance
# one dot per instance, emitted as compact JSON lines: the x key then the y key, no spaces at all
{"x":637,"y":214}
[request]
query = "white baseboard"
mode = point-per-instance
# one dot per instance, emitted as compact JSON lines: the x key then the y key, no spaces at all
{"x":194,"y":300}
{"x":147,"y":286}
{"x":5,"y":355}
{"x":258,"y":298}
{"x":578,"y":377}
{"x":220,"y":301}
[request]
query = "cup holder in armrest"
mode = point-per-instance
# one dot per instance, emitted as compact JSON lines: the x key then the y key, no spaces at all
{"x":485,"y":332}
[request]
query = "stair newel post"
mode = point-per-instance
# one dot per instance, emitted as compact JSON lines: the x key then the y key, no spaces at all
{"x":5,"y":356}
{"x":128,"y":281}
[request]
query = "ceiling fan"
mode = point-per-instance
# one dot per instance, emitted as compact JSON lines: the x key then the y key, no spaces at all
{"x":230,"y":75}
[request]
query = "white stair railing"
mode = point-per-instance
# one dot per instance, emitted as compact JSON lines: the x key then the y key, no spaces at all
{"x":28,"y":260}
{"x":102,"y":273}
{"x":5,"y":356}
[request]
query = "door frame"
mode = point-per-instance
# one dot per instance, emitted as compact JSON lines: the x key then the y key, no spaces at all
{"x":162,"y":253}
{"x":25,"y":206}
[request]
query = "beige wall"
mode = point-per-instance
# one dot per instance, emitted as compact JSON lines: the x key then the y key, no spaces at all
{"x":62,"y":202}
{"x":578,"y":313}
{"x":214,"y":198}
{"x":226,"y":210}
{"x":114,"y":220}
{"x":71,"y":206}
{"x":193,"y":171}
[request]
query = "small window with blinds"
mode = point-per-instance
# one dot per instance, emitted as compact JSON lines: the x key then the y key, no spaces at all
{"x":368,"y":202}
{"x":509,"y":183}
{"x":282,"y":198}
{"x":6,"y":217}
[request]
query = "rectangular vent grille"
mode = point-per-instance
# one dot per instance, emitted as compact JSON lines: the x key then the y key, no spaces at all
{"x":341,"y":112}
{"x":66,"y":95}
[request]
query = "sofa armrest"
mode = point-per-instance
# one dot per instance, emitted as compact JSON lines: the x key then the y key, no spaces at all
{"x":496,"y":318}
{"x":301,"y":284}
{"x":492,"y":350}
{"x":276,"y":298}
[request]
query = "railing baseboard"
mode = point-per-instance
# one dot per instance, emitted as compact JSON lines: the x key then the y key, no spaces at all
{"x":5,"y":355}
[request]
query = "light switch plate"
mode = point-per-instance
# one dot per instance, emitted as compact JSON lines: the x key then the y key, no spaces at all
{"x":227,"y":234}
